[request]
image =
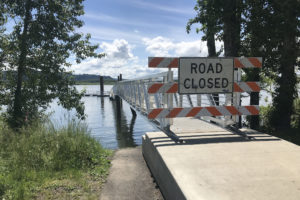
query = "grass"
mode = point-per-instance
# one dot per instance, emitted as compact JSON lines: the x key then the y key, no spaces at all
{"x":41,"y":162}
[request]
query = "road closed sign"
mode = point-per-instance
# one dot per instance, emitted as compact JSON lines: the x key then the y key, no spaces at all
{"x":205,"y":75}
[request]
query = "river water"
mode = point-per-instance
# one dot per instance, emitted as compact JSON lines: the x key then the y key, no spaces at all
{"x":113,"y":130}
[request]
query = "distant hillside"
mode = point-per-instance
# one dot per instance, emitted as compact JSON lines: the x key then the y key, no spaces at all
{"x":92,"y":78}
{"x":82,"y":78}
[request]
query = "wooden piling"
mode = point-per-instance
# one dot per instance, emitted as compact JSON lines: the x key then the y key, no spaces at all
{"x":101,"y":86}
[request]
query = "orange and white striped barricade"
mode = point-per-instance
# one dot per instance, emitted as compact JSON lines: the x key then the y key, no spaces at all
{"x":226,"y":110}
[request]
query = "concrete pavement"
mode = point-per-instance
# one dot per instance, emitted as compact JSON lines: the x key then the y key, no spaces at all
{"x":215,"y":164}
{"x":130,"y":178}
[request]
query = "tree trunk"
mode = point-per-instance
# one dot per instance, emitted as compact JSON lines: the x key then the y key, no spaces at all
{"x":18,"y":114}
{"x":255,"y":45}
{"x":232,"y":28}
{"x":211,"y":43}
{"x":287,"y":81}
{"x":232,"y":23}
{"x":211,"y":46}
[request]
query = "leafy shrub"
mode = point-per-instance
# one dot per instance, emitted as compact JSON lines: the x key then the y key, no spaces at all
{"x":265,"y":118}
{"x":39,"y":151}
{"x":296,"y":116}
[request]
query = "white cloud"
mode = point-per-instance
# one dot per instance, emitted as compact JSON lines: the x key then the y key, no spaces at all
{"x":118,"y":49}
{"x":161,"y":46}
{"x":158,"y":46}
{"x":195,"y":48}
{"x":119,"y":59}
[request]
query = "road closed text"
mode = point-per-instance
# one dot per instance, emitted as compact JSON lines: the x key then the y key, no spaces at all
{"x":205,"y":76}
{"x":202,"y":83}
{"x":206,"y":82}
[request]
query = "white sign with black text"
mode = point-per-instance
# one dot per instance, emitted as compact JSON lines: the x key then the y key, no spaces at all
{"x":205,"y":75}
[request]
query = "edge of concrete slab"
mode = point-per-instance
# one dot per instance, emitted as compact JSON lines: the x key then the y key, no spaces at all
{"x":159,"y":151}
{"x":165,"y":180}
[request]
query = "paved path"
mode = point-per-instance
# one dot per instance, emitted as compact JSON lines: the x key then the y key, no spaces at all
{"x":130,"y":178}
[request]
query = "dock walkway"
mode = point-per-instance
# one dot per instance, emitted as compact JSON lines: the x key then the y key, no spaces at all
{"x":215,"y":164}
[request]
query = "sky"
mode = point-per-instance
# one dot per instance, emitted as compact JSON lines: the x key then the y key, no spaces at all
{"x":131,"y":31}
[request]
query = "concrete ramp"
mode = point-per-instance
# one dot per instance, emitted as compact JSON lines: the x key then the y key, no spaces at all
{"x":214,"y":164}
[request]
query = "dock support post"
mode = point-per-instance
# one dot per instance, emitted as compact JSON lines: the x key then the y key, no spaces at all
{"x":118,"y":99}
{"x":133,"y":112}
{"x":101,"y":86}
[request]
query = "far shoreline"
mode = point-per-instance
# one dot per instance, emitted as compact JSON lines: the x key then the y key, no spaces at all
{"x":93,"y":83}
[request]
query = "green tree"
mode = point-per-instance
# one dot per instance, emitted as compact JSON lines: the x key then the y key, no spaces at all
{"x":222,"y":19}
{"x":267,"y":28}
{"x":2,"y":30}
{"x":37,"y":55}
{"x":208,"y":15}
{"x":285,"y":36}
{"x":219,"y":20}
{"x":271,"y":31}
{"x":252,"y":45}
{"x":231,"y":17}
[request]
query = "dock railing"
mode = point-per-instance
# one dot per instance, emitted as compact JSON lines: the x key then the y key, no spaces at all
{"x":156,"y":96}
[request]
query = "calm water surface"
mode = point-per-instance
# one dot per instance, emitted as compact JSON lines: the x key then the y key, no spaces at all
{"x":111,"y":128}
{"x":115,"y":129}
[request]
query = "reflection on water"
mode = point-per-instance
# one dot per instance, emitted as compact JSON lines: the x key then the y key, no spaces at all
{"x":113,"y":128}
{"x":124,"y":131}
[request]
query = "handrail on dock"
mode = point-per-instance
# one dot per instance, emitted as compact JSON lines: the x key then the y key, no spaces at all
{"x":156,"y":95}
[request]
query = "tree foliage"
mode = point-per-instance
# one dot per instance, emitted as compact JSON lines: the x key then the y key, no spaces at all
{"x":252,"y":43}
{"x":2,"y":29}
{"x":286,"y":32}
{"x":37,"y":52}
{"x":209,"y":16}
{"x":271,"y":32}
{"x":266,"y":28}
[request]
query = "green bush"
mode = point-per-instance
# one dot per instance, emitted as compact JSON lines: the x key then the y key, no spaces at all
{"x":45,"y":148}
{"x":296,"y":116}
{"x":265,"y":116}
{"x":41,"y":151}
